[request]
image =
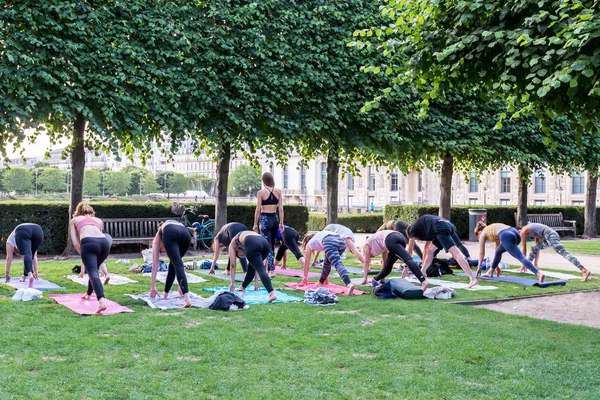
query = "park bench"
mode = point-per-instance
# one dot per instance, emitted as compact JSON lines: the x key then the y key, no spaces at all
{"x":554,"y":221}
{"x":136,"y":230}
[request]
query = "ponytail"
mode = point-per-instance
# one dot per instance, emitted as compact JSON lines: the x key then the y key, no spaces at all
{"x":306,"y":239}
{"x":479,"y":227}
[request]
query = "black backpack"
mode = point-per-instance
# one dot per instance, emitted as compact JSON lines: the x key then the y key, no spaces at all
{"x":439,"y":268}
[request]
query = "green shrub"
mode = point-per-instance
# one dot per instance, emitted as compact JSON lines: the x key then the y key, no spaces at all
{"x":54,"y":219}
{"x":501,"y":214}
{"x":359,"y":223}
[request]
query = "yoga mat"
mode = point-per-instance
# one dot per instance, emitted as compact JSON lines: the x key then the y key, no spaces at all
{"x":87,"y":307}
{"x":38,"y":284}
{"x":114,"y":279}
{"x":352,"y":270}
{"x":162,"y":277}
{"x":251,"y":296}
{"x":332,"y":287}
{"x":454,"y":285}
{"x":521,"y":281}
{"x":174,"y":301}
{"x":219,"y":275}
{"x":296,"y":272}
{"x":557,"y":275}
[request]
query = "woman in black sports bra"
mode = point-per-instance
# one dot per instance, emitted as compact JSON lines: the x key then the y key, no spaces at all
{"x":268,"y":202}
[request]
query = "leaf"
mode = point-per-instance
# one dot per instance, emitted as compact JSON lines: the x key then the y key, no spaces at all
{"x":588,"y":73}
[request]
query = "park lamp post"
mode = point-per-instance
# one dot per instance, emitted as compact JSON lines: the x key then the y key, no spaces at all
{"x":36,"y":187}
{"x":102,"y":174}
{"x":140,"y":182}
{"x":68,"y":177}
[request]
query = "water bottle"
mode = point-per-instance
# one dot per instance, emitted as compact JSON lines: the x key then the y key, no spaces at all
{"x":485,"y":264}
{"x":194,"y":263}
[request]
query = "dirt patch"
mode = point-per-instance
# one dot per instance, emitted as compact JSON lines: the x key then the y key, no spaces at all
{"x":573,"y":308}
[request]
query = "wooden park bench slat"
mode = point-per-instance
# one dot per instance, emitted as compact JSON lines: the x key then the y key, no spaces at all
{"x":554,"y":221}
{"x":135,"y":230}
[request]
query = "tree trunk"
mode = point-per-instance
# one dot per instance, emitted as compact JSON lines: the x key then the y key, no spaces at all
{"x":590,"y":229}
{"x":77,"y":168}
{"x":222,"y":180}
{"x":333,"y":175}
{"x":446,"y":186}
{"x":522,"y":196}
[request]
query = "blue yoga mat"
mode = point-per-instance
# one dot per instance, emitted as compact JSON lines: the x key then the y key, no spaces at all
{"x":522,"y":281}
{"x":259,"y":297}
{"x":39,"y":284}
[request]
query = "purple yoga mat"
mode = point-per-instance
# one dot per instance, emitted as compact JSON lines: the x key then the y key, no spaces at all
{"x":87,"y":307}
{"x":296,"y":272}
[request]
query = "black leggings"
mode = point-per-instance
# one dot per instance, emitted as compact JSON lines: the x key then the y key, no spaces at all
{"x":176,"y":240}
{"x":94,"y":250}
{"x":289,"y":242}
{"x":257,"y":250}
{"x":396,"y":245}
{"x":401,"y":226}
{"x":268,"y":225}
{"x":28,"y":239}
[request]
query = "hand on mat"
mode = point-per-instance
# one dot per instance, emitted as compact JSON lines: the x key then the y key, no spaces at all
{"x":81,"y":275}
{"x":304,"y":282}
{"x":211,"y":271}
{"x":232,"y":287}
{"x":35,"y":275}
{"x":478,"y":272}
{"x":153,"y":293}
{"x":23,"y":278}
{"x":7,"y":278}
{"x":365,"y":281}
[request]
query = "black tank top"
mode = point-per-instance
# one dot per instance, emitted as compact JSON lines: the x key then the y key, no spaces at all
{"x":271,"y":200}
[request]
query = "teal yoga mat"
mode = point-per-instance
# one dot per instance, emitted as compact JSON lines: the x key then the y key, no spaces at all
{"x":521,"y":281}
{"x":251,"y":296}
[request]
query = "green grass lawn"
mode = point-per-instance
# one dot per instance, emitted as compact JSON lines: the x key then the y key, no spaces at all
{"x":582,"y":246}
{"x":362,"y":348}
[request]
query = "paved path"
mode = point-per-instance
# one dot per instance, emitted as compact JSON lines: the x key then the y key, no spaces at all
{"x":548,"y":258}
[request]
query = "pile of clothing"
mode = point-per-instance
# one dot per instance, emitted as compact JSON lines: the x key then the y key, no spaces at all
{"x":320,"y":297}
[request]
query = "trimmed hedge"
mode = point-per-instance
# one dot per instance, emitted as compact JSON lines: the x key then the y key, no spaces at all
{"x":502,"y":214}
{"x":54,"y":219}
{"x":359,"y":223}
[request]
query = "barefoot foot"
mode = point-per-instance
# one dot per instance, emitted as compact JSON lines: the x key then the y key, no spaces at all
{"x":188,"y":302}
{"x":350,"y":289}
{"x":30,"y":282}
{"x":106,"y":280}
{"x":586,"y":274}
{"x":271,"y":297}
{"x":424,"y":286}
{"x":165,"y":295}
{"x":541,"y":276}
{"x":472,"y":283}
{"x":101,"y":306}
{"x":85,"y":297}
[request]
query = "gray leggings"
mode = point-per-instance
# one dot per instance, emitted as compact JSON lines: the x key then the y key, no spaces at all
{"x":551,"y":239}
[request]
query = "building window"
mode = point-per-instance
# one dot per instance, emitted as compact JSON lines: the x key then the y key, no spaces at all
{"x":350,"y":181}
{"x":420,"y":182}
{"x":539,"y":182}
{"x":505,"y":182}
{"x":302,"y":177}
{"x":285,"y":177}
{"x":394,"y":200}
{"x":371,"y":201}
{"x":578,"y":203}
{"x":578,"y":183}
{"x":504,"y":202}
{"x":473,"y":201}
{"x":538,"y":202}
{"x":323,"y":176}
{"x":473,"y":184}
{"x":394,"y":181}
{"x":350,"y":198}
{"x":371,"y":185}
{"x":271,"y":169}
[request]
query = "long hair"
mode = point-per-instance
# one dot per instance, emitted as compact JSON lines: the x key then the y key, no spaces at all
{"x":306,"y":239}
{"x":84,"y":209}
{"x":479,"y":227}
{"x":268,"y":180}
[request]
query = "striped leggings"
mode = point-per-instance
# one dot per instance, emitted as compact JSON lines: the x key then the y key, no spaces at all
{"x":333,"y":246}
{"x":552,"y":239}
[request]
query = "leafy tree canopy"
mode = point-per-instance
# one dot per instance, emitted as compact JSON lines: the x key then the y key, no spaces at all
{"x":19,"y":180}
{"x":244,"y":180}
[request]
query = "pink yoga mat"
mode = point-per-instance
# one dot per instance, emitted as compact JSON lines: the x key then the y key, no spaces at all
{"x":332,"y":287}
{"x":87,"y":307}
{"x":296,"y":272}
